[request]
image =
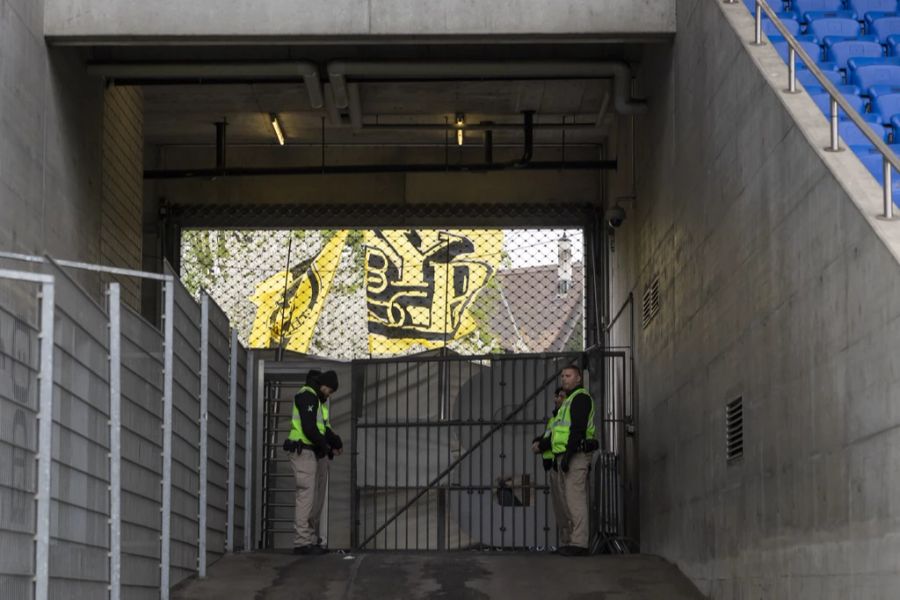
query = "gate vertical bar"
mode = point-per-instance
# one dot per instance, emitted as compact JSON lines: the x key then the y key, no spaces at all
{"x":204,"y":437}
{"x":248,"y":455}
{"x":45,"y":441}
{"x":115,"y":440}
{"x":394,"y":471}
{"x":408,"y":462}
{"x":357,"y":392}
{"x":260,"y":374}
{"x":232,"y":448}
{"x":166,"y":503}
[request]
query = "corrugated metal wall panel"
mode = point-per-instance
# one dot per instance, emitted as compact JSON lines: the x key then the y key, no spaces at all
{"x":186,"y":435}
{"x":79,"y":562}
{"x":240,"y":449}
{"x":142,"y":365}
{"x":217,"y":432}
{"x":19,"y":365}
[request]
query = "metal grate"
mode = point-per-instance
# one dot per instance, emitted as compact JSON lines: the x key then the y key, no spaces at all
{"x":734,"y":430}
{"x":650,"y":304}
{"x":350,"y":294}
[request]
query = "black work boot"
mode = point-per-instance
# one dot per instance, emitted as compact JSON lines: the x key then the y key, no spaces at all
{"x":572,"y":551}
{"x":310,"y":550}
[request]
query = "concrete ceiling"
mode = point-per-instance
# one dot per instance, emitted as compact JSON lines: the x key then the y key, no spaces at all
{"x":179,"y":118}
{"x":185,"y":114}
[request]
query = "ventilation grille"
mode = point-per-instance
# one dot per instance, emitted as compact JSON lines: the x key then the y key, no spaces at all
{"x":734,"y":430}
{"x":650,"y":306}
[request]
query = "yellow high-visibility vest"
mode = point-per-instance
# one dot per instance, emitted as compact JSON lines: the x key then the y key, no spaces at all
{"x":296,"y":434}
{"x":559,"y":436}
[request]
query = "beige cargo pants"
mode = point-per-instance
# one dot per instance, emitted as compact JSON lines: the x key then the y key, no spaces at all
{"x":572,"y":489}
{"x":310,"y":478}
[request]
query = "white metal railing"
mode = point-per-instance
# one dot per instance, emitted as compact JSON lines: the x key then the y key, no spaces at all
{"x":837,"y":100}
{"x":44,"y":459}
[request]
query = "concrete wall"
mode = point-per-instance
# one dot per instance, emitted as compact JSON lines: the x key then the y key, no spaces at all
{"x":133,"y":19}
{"x":50,"y":151}
{"x":123,"y":163}
{"x":780,"y":286}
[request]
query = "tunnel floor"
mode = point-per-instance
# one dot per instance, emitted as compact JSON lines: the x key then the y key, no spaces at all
{"x":453,"y":576}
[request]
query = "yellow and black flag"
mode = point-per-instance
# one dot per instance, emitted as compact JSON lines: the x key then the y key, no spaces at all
{"x":421,"y":283}
{"x":289,"y":302}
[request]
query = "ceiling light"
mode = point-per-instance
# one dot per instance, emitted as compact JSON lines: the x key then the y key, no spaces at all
{"x":276,"y":126}
{"x":460,"y":123}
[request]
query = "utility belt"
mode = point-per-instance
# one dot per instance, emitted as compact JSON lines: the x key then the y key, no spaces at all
{"x":296,"y":446}
{"x":586,"y":446}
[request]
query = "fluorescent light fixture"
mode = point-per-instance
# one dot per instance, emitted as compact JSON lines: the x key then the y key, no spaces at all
{"x":276,"y":126}
{"x":460,"y":123}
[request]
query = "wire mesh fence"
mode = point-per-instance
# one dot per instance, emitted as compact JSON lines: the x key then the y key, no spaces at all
{"x":350,"y":293}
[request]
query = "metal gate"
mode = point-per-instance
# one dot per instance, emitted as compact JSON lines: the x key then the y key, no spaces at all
{"x":442,"y":452}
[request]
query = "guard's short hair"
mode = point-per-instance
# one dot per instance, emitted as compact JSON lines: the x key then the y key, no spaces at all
{"x":575,"y":368}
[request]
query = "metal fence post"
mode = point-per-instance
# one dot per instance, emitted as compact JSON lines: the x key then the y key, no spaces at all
{"x":248,"y":455}
{"x":166,"y":508}
{"x":115,"y":441}
{"x":45,"y":441}
{"x":835,"y":139}
{"x":204,"y":436}
{"x":792,"y":70}
{"x":888,"y":189}
{"x":232,"y":433}
{"x":757,"y":33}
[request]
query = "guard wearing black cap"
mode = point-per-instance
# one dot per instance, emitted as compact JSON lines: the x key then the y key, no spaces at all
{"x":312,"y":443}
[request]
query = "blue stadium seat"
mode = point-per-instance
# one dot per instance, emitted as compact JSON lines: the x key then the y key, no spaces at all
{"x":876,"y":91}
{"x":852,"y":136}
{"x":895,"y":122}
{"x":823,"y":101}
{"x":814,"y":15}
{"x":887,"y":105}
{"x":873,"y":16}
{"x":805,"y":6}
{"x":845,"y":89}
{"x":867,"y":75}
{"x":841,"y":28}
{"x":884,"y":27}
{"x":781,"y":46}
{"x":866,"y":6}
{"x":841,"y":52}
{"x":807,"y":79}
{"x":787,"y":19}
{"x":893,"y":45}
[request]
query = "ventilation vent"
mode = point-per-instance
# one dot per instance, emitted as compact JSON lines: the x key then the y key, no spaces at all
{"x":734,"y":430}
{"x":651,"y":302}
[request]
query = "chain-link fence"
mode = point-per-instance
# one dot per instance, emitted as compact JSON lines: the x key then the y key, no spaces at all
{"x":351,"y":293}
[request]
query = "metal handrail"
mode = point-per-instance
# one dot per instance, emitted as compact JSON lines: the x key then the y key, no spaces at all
{"x":837,"y":99}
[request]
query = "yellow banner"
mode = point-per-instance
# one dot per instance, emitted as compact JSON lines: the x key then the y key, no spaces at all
{"x":421,"y":283}
{"x":295,"y":298}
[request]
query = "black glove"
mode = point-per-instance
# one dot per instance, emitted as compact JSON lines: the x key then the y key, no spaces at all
{"x":590,"y":445}
{"x":564,"y":463}
{"x":333,"y":439}
{"x":323,"y":450}
{"x":548,"y":464}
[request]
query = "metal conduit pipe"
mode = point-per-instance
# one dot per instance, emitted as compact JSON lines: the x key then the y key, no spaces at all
{"x":131,"y":73}
{"x":339,"y":72}
{"x":589,"y":165}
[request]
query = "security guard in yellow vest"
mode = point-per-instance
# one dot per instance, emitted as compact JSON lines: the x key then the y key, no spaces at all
{"x":311,"y":443}
{"x":542,"y":445}
{"x":572,"y":439}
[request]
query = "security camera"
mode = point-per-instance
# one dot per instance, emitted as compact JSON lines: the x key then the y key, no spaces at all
{"x":615,"y":216}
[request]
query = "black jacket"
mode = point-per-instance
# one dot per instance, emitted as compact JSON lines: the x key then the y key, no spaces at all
{"x":307,"y":405}
{"x":578,"y":413}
